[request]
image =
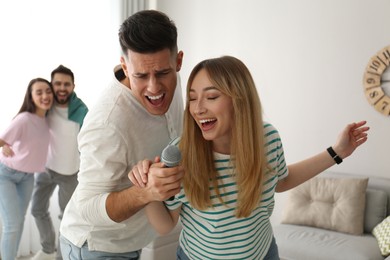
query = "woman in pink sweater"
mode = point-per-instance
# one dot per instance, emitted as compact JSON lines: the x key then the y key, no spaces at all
{"x":28,"y":137}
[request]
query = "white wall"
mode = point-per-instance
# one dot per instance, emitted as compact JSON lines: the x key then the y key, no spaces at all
{"x":307,"y":57}
{"x":37,"y":36}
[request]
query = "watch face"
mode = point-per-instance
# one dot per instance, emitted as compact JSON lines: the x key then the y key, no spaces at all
{"x":376,"y":81}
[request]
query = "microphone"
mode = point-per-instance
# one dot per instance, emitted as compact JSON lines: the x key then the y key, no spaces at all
{"x":171,"y":157}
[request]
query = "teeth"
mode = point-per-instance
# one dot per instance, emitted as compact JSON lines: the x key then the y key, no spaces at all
{"x":206,"y":120}
{"x":155,"y":97}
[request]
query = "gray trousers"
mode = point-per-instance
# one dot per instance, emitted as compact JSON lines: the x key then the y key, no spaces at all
{"x":44,"y":186}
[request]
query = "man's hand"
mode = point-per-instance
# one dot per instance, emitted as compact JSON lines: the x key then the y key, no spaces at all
{"x":159,"y":182}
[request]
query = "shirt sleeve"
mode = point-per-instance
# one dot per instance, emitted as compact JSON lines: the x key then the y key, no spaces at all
{"x":103,"y":169}
{"x":173,"y":204}
{"x":14,"y":130}
{"x":275,"y":152}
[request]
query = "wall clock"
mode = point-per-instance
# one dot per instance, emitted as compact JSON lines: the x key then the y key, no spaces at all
{"x":376,"y":81}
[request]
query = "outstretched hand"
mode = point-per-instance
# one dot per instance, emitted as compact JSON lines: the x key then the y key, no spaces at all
{"x":353,"y":135}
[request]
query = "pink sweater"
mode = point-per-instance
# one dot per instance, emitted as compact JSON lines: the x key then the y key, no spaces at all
{"x":28,"y":135}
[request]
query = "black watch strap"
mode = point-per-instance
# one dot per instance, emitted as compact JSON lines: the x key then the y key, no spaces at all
{"x":334,"y":155}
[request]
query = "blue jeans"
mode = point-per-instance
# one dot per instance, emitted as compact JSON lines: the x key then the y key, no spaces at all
{"x":45,"y":184}
{"x":15,"y":194}
{"x":72,"y":252}
{"x":273,"y":253}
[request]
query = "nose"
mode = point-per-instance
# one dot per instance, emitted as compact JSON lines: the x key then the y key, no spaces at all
{"x":47,"y":95}
{"x":61,"y":87}
{"x":199,"y":108}
{"x":153,"y":85}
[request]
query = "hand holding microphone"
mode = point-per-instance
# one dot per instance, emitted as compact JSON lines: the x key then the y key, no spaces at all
{"x":161,"y":177}
{"x":171,"y":157}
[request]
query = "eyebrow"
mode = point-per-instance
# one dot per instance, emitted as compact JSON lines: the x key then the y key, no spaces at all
{"x":163,"y":70}
{"x":205,"y":89}
{"x":156,"y":71}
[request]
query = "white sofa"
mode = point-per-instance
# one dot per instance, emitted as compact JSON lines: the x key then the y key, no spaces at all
{"x":300,"y":242}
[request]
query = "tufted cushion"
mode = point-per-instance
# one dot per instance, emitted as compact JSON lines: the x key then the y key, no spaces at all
{"x":382,"y":235}
{"x":331,"y":203}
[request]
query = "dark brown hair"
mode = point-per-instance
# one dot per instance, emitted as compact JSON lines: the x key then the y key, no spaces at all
{"x":28,"y":103}
{"x":148,"y":31}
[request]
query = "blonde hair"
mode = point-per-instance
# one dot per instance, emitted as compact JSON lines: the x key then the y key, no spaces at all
{"x":230,"y":76}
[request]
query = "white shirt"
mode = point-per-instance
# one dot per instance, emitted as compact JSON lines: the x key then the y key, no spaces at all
{"x":63,"y":157}
{"x":116,"y":134}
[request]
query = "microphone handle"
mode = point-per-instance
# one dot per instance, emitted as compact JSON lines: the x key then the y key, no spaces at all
{"x":171,"y":198}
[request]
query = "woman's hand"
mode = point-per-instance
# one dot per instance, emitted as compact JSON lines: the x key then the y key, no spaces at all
{"x":7,"y":151}
{"x":353,"y":135}
{"x":139,"y":174}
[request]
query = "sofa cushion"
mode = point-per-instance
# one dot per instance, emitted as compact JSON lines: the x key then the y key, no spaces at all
{"x":331,"y":203}
{"x":376,"y":208}
{"x":382,"y":235}
{"x":309,"y":243}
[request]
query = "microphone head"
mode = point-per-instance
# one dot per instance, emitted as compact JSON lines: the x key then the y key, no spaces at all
{"x":171,"y":156}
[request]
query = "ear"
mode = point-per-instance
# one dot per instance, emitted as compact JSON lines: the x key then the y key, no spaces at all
{"x":179,"y":60}
{"x":123,"y":65}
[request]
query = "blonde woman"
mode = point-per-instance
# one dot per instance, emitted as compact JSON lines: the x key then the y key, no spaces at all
{"x":234,"y":163}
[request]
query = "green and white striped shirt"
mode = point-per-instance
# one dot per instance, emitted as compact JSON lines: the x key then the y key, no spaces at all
{"x":216,"y":233}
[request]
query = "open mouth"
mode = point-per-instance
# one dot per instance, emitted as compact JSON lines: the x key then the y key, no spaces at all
{"x":207,"y":123}
{"x":46,"y":103}
{"x":62,"y":95}
{"x":156,"y":100}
